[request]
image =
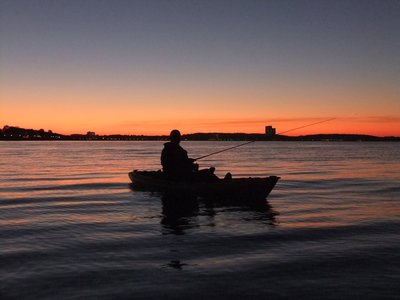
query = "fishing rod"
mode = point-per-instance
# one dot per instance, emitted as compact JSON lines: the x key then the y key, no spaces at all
{"x":223,"y":150}
{"x":237,"y":146}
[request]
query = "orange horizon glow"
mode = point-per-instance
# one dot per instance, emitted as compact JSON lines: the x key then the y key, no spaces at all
{"x":224,"y":109}
{"x":376,"y":126}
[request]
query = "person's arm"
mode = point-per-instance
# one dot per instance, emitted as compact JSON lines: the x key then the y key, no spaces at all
{"x":164,"y":159}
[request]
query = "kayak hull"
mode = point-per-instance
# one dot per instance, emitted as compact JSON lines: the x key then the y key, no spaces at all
{"x":244,"y":188}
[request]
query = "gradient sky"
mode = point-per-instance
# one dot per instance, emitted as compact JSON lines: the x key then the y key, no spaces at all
{"x":145,"y":67}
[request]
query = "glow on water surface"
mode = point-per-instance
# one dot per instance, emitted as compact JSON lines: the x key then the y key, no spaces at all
{"x":72,"y":227}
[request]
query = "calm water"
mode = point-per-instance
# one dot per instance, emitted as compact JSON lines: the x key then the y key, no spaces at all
{"x":71,"y":228}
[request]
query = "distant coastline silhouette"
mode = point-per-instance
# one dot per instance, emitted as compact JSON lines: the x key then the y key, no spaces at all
{"x":14,"y":133}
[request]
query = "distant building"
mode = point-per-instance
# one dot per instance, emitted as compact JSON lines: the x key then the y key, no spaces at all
{"x":90,"y":135}
{"x":270,"y":131}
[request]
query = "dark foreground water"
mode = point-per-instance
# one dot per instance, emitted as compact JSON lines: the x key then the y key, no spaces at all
{"x":71,"y":227}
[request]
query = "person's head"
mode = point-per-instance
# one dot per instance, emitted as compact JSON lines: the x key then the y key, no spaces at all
{"x":175,"y":136}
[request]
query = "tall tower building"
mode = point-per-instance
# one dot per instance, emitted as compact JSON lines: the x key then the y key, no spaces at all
{"x":270,"y":131}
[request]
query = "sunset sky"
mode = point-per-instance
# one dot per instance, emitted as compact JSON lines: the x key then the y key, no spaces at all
{"x":146,"y":67}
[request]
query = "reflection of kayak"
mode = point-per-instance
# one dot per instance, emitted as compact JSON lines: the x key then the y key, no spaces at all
{"x":244,"y":188}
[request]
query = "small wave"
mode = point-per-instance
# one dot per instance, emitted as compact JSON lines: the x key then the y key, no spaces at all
{"x":43,"y":199}
{"x":39,"y":179}
{"x":333,"y":183}
{"x":388,"y":190}
{"x":80,"y":186}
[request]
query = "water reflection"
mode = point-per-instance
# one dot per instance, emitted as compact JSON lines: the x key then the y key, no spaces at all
{"x":181,"y":213}
{"x":260,"y":211}
{"x":176,"y":264}
{"x":262,"y":214}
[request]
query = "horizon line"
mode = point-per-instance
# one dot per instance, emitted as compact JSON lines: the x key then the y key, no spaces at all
{"x":93,"y":134}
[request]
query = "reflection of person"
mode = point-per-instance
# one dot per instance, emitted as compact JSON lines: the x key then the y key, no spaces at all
{"x":176,"y":163}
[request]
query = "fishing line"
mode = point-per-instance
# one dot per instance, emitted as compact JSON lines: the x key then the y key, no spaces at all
{"x":230,"y":148}
{"x":306,"y":125}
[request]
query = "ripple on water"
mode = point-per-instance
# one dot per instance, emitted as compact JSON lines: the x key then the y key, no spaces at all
{"x":75,"y":230}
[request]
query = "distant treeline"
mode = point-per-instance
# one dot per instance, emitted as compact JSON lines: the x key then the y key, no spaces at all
{"x":264,"y":137}
{"x":17,"y":133}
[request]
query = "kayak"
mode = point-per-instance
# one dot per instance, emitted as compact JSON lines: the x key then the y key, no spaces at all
{"x":243,"y":188}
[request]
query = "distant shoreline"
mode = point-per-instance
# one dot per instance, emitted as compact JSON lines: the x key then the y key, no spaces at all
{"x":12,"y":133}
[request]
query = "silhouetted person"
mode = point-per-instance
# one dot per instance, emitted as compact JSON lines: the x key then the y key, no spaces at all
{"x":176,"y":163}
